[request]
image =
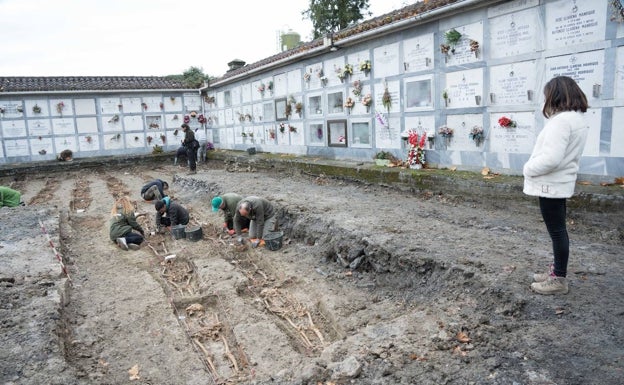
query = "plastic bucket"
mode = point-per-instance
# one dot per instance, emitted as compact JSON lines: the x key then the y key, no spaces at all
{"x":251,"y":150}
{"x":194,"y":233}
{"x":178,"y":231}
{"x":273,"y":241}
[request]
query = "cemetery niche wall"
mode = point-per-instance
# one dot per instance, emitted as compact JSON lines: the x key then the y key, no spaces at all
{"x":444,"y":74}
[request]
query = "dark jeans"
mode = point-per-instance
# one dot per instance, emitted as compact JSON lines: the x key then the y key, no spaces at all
{"x":164,"y":221}
{"x":554,"y":214}
{"x":133,"y":237}
{"x":190,"y":154}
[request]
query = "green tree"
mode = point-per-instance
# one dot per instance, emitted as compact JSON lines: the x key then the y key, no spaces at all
{"x":334,"y":15}
{"x":193,"y":77}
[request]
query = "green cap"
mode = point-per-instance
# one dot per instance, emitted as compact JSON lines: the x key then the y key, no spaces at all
{"x":216,"y":203}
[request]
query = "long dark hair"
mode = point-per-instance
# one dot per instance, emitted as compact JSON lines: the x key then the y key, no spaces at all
{"x":561,"y":93}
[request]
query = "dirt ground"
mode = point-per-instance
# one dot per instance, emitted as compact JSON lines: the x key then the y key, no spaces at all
{"x":374,"y":285}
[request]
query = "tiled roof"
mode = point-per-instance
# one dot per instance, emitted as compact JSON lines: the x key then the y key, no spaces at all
{"x":87,"y":83}
{"x":404,"y":13}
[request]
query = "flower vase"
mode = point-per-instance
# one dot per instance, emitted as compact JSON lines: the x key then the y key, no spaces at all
{"x":367,"y":109}
{"x":447,"y":141}
{"x":348,"y":111}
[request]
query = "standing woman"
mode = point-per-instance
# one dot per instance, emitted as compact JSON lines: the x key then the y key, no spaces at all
{"x":551,"y":172}
{"x":191,"y":146}
{"x":122,"y":222}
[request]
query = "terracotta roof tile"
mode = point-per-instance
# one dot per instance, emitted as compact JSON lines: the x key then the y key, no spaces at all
{"x":87,"y":83}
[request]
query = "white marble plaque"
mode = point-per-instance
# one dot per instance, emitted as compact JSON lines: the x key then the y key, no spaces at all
{"x":280,"y":85}
{"x":511,"y":6}
{"x":65,"y":143}
{"x":245,"y":93}
{"x":13,"y":128}
{"x":16,"y":147}
{"x":173,"y":121}
{"x":63,"y":126}
{"x":617,"y":132}
{"x":110,"y":105}
{"x":172,"y":103}
{"x":586,"y":68}
{"x":113,"y":141}
{"x":221,"y":117}
{"x":137,"y":140}
{"x":12,"y":109}
{"x":86,"y":125}
{"x":515,"y":34}
{"x":42,"y":104}
{"x":283,"y":138}
{"x":569,"y":23}
{"x":519,"y":140}
{"x":131,"y":105}
{"x":235,"y":96}
{"x":422,"y":124}
{"x":39,"y":127}
{"x":297,"y":137}
{"x":229,"y":117}
{"x":394,"y":87}
{"x":111,"y":123}
{"x":41,"y":147}
{"x":316,"y":75}
{"x":294,"y":81}
{"x":355,"y":59}
{"x":463,"y":53}
{"x":418,"y":53}
{"x":174,"y":136}
{"x":152,"y":104}
{"x":388,"y":136}
{"x":332,"y":68}
{"x":61,"y":107}
{"x":358,"y":107}
{"x":85,"y":106}
{"x":133,"y":123}
{"x":619,"y":73}
{"x":192,"y":102}
{"x":256,"y":94}
{"x":316,"y":133}
{"x":88,"y":143}
{"x":462,"y":126}
{"x":465,"y":88}
{"x":593,"y":117}
{"x":386,"y":60}
{"x":513,"y":84}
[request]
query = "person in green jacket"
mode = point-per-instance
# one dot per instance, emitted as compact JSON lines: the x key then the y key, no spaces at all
{"x":228,"y":202}
{"x":262,"y":217}
{"x":10,"y":197}
{"x":122,"y":223}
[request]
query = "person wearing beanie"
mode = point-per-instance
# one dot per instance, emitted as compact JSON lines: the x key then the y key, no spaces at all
{"x":189,"y":148}
{"x":10,"y":197}
{"x":154,"y":190}
{"x":122,"y":223}
{"x":169,"y":213}
{"x":228,"y":202}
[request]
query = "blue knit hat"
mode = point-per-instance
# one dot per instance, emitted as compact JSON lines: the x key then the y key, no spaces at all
{"x":216,"y":203}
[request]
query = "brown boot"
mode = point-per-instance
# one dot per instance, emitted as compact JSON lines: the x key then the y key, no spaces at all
{"x":552,"y":285}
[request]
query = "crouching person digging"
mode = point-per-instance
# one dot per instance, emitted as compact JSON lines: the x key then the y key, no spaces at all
{"x":123,"y":225}
{"x":262,"y":219}
{"x":169,"y":214}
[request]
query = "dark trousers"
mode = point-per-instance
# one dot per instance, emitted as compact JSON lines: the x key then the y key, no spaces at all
{"x":190,"y":154}
{"x":133,"y":237}
{"x":554,"y":214}
{"x":244,"y":222}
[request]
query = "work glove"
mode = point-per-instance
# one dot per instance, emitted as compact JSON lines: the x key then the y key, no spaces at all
{"x":224,"y":225}
{"x":231,"y":232}
{"x":245,"y":230}
{"x":255,"y":242}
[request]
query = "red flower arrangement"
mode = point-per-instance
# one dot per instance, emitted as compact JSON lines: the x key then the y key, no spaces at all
{"x":416,"y":153}
{"x":506,"y":122}
{"x":201,"y":119}
{"x":187,"y":118}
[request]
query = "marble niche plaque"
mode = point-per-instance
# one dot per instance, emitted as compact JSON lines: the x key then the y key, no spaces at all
{"x":422,"y":124}
{"x":41,"y":146}
{"x":131,"y":105}
{"x":586,"y":68}
{"x":513,"y":84}
{"x":16,"y":147}
{"x":463,"y":53}
{"x":137,"y":140}
{"x":110,"y":105}
{"x":13,"y":129}
{"x":294,"y":79}
{"x":355,"y":59}
{"x":332,"y":68}
{"x":617,"y":133}
{"x":65,"y":143}
{"x":63,"y":126}
{"x":88,"y":142}
{"x":518,"y":140}
{"x":418,"y":53}
{"x":515,"y":33}
{"x":39,"y":127}
{"x":192,"y":102}
{"x":569,"y":23}
{"x":462,"y":125}
{"x":85,"y":106}
{"x":86,"y":125}
{"x":593,"y":117}
{"x":619,"y":73}
{"x":386,"y":61}
{"x":280,"y":85}
{"x":389,"y":135}
{"x":313,"y":76}
{"x":394,"y":87}
{"x":245,"y":93}
{"x":465,"y":88}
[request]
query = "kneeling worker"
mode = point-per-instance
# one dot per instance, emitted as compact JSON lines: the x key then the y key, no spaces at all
{"x":228,"y":202}
{"x":154,"y":190}
{"x":175,"y":214}
{"x":262,"y":218}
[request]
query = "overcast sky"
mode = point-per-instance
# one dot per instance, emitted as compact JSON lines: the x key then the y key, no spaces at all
{"x":146,"y":37}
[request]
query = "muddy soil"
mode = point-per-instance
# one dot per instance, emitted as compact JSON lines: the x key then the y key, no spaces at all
{"x":373,"y":285}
